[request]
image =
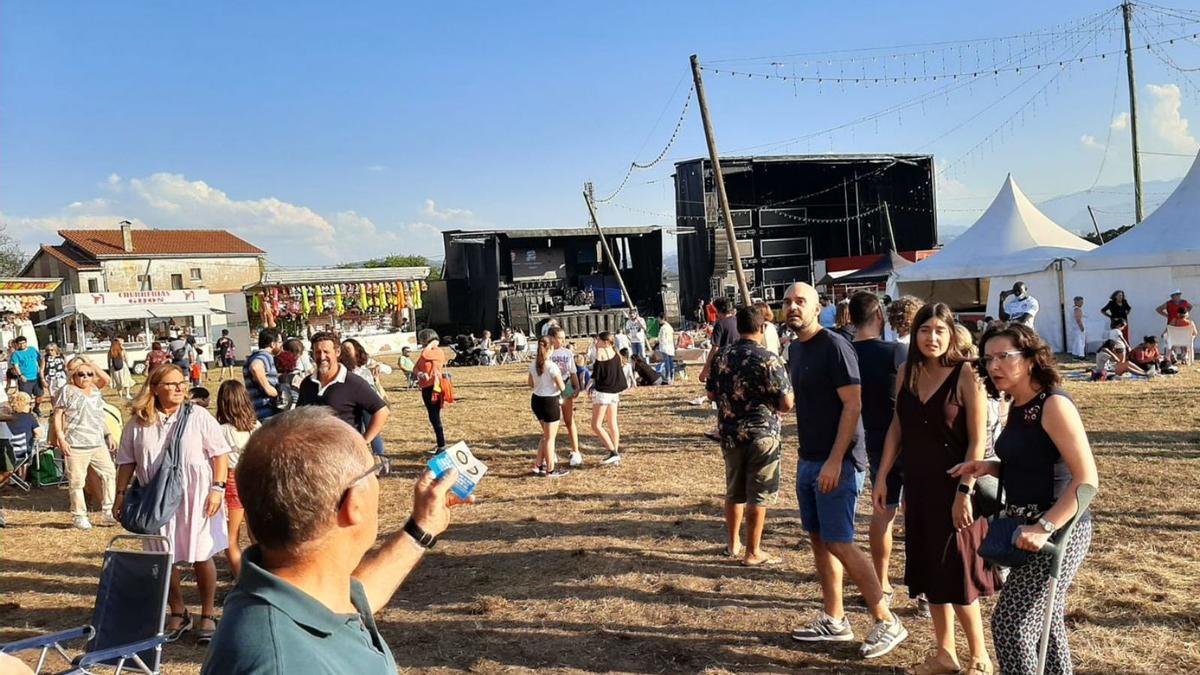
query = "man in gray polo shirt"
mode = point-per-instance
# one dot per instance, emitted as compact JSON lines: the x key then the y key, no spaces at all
{"x":306,"y":597}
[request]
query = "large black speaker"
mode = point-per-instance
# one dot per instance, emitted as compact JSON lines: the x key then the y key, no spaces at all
{"x":517,"y":308}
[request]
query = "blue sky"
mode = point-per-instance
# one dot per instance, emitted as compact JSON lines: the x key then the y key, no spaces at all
{"x":328,"y":133}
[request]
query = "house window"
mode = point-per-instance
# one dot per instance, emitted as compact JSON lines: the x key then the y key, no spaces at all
{"x":177,"y":282}
{"x":93,"y":285}
{"x":144,"y":283}
{"x":196,"y":274}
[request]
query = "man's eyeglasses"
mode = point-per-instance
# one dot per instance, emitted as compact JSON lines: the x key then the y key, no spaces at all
{"x":376,"y":469}
{"x":1002,"y":357}
{"x":174,"y":385}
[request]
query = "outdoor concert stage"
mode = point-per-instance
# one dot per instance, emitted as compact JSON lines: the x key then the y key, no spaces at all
{"x":521,"y":278}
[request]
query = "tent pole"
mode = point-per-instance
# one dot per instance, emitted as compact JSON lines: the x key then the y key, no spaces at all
{"x":1096,"y":225}
{"x":1062,"y":301}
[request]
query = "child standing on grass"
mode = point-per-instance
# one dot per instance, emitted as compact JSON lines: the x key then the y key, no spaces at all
{"x":197,"y":369}
{"x":547,"y":383}
{"x":235,"y":413}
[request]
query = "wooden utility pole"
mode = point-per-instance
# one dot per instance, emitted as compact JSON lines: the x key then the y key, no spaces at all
{"x":1127,"y":11}
{"x":612,"y":263}
{"x":719,"y":178}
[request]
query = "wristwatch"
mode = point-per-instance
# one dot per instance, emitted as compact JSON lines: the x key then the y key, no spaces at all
{"x":423,"y":538}
{"x":966,"y":489}
{"x":1046,"y":525}
{"x":219,"y":484}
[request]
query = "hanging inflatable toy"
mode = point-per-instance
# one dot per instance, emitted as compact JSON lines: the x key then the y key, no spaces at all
{"x":305,"y":307}
{"x":338,"y":305}
{"x":320,"y":300}
{"x":362,"y":297}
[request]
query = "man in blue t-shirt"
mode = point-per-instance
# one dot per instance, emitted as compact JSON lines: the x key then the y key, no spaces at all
{"x":830,"y":473}
{"x":878,"y":362}
{"x":28,"y":362}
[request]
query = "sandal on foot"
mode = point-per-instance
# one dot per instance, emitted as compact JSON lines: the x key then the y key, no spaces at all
{"x":736,"y":553}
{"x":174,"y":634}
{"x":978,"y":667}
{"x":205,"y":635}
{"x":932,"y":665}
{"x":762,"y":562}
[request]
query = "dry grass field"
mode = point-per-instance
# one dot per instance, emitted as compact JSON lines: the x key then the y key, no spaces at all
{"x":617,"y":568}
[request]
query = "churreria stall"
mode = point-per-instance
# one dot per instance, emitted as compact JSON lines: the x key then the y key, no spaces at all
{"x":20,"y":298}
{"x":375,"y":305}
{"x":90,"y":321}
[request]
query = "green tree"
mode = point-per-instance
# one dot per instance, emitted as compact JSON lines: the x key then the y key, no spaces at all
{"x":12,"y":258}
{"x":398,"y":260}
{"x":1109,"y":235}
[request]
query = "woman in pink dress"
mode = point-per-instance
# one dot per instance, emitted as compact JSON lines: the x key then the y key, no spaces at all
{"x":197,"y":532}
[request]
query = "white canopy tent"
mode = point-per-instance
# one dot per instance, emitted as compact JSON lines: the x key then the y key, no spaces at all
{"x":1012,"y":241}
{"x":1157,"y":256}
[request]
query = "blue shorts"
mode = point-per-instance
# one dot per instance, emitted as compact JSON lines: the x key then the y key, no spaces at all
{"x":831,"y":515}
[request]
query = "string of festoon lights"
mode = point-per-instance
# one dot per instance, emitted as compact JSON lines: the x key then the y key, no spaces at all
{"x":638,"y":166}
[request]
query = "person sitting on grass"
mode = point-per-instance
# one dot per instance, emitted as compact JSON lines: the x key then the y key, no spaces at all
{"x":751,"y":387}
{"x":645,"y":374}
{"x":1111,"y":362}
{"x":1147,"y":355}
{"x":306,"y":599}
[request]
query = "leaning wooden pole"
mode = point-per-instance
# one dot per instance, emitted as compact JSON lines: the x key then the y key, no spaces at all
{"x":612,"y":263}
{"x":719,"y":179}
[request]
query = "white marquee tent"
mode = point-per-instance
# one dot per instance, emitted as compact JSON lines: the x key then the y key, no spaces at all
{"x":1012,"y":241}
{"x":1157,"y":256}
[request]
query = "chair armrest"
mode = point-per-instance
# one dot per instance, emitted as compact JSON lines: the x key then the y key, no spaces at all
{"x":126,"y":650}
{"x":46,"y":640}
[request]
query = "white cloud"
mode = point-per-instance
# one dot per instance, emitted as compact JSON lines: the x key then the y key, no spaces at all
{"x":1120,"y":122}
{"x":376,"y":168}
{"x":1089,"y":141}
{"x":292,"y":234}
{"x":1167,"y":122}
{"x":432,"y":211}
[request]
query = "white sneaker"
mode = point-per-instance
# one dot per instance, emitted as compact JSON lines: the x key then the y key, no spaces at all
{"x":107,"y":520}
{"x":613,"y":458}
{"x":576,"y":460}
{"x":81,"y":522}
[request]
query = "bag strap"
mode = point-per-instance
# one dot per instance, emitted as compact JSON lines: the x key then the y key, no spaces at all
{"x":176,"y":440}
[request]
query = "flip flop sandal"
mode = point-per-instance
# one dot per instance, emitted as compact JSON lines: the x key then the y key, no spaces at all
{"x":176,"y":633}
{"x":978,"y":668}
{"x":765,"y":562}
{"x":932,"y":666}
{"x":204,"y":635}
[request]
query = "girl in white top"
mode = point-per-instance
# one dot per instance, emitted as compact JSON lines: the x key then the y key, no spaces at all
{"x":547,"y":383}
{"x":235,"y":412}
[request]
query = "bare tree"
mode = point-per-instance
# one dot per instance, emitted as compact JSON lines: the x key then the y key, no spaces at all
{"x":12,"y":258}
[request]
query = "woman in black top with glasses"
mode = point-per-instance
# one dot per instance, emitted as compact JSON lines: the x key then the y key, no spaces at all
{"x":1044,"y":456}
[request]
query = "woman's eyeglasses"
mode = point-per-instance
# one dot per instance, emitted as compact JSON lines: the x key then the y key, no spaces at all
{"x":84,"y":375}
{"x":174,"y":385}
{"x":1001,"y":357}
{"x":376,"y":469}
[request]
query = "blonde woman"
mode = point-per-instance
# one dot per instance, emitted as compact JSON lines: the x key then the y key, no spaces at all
{"x":197,"y":531}
{"x":84,"y":440}
{"x":118,"y":368}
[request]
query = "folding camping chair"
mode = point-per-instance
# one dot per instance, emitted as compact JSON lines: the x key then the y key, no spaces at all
{"x":1084,"y":494}
{"x":126,"y":632}
{"x":41,"y":453}
{"x":21,"y":465}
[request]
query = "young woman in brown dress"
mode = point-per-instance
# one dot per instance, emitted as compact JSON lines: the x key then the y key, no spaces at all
{"x":941,"y":421}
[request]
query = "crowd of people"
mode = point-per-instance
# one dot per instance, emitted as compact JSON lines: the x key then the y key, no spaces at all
{"x":897,"y":393}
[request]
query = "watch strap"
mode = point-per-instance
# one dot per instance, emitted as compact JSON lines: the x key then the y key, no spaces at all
{"x":423,"y":538}
{"x":966,"y":489}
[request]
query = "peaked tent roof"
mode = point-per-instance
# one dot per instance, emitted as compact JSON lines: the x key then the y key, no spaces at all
{"x":1011,"y":237}
{"x":880,"y":270}
{"x":1167,"y":237}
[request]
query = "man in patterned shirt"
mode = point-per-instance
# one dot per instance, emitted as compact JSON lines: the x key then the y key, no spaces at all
{"x":751,"y":386}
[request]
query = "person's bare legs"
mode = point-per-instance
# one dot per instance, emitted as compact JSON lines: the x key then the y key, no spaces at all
{"x":829,"y":571}
{"x":175,"y":600}
{"x":540,"y":460}
{"x":858,"y":566}
{"x":234,"y":553}
{"x":733,"y":527}
{"x":880,"y":536}
{"x":549,"y":434}
{"x":614,"y":428}
{"x":568,"y":420}
{"x":598,"y":414}
{"x":756,"y":518}
{"x":971,"y":620}
{"x":206,"y":583}
{"x":943,"y":635}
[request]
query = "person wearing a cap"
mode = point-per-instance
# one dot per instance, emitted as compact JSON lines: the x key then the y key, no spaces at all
{"x":1171,"y":308}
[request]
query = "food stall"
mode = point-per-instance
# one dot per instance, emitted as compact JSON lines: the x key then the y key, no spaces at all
{"x":19,"y":298}
{"x":376,"y":306}
{"x":90,"y":321}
